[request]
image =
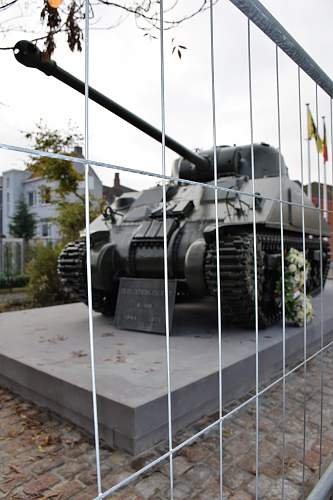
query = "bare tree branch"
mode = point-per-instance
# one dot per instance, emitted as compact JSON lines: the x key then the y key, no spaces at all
{"x":6,"y":5}
{"x":68,"y":19}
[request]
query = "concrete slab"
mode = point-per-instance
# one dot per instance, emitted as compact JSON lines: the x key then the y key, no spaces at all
{"x":44,"y":356}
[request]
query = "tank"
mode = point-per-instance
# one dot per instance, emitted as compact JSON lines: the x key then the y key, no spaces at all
{"x":127,"y":239}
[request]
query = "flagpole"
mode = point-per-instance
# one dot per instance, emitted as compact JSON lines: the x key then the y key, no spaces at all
{"x":325,"y":193}
{"x":325,"y":176}
{"x":309,"y":157}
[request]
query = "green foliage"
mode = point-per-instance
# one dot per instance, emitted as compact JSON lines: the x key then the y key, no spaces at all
{"x":61,"y":171}
{"x":71,"y":219}
{"x":45,"y":194}
{"x":23,"y":223}
{"x":18,"y":281}
{"x":45,"y":287}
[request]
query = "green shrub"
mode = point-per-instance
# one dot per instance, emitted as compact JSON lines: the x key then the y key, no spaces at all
{"x":18,"y":281}
{"x":45,"y":287}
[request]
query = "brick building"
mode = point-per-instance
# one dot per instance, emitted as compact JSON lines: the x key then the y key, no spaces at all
{"x":315,"y":200}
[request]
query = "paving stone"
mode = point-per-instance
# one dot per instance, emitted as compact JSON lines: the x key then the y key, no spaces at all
{"x":38,"y":486}
{"x":311,"y":459}
{"x":181,"y":490}
{"x":235,"y":477}
{"x":266,"y":450}
{"x":180,"y":465}
{"x":295,"y":474}
{"x":248,"y":463}
{"x":212,"y":491}
{"x":326,"y":447}
{"x":152,"y":485}
{"x":87,"y":493}
{"x":67,"y":489}
{"x":7,"y":484}
{"x":88,"y":477}
{"x":264,"y":485}
{"x":200,"y":474}
{"x":238,"y":445}
{"x":195,"y":453}
{"x":273,"y":469}
{"x":115,"y":477}
{"x":73,"y":468}
{"x":291,"y":492}
{"x":47,"y":464}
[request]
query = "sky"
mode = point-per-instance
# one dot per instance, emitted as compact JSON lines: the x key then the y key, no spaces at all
{"x":125,"y":65}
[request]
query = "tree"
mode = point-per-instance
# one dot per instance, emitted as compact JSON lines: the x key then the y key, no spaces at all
{"x":63,"y":172}
{"x":70,"y":215}
{"x":45,"y":287}
{"x":71,"y":219}
{"x":67,"y":17}
{"x":23,"y":223}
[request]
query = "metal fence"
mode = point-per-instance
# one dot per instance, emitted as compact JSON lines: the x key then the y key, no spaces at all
{"x":12,"y":256}
{"x":283,"y":42}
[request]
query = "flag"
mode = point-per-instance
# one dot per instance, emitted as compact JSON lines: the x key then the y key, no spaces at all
{"x":313,"y":132}
{"x":325,"y":153}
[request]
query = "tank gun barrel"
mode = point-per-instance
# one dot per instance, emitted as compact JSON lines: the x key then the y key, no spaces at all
{"x":29,"y":55}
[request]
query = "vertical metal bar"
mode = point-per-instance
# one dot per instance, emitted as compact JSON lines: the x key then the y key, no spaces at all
{"x":321,"y":300}
{"x":254,"y":255}
{"x":309,"y":155}
{"x":282,"y":275}
{"x":217,"y":239}
{"x":165,"y":252}
{"x":304,"y":281}
{"x":331,"y":125}
{"x":325,"y":181}
{"x":87,"y":220}
{"x":325,"y":192}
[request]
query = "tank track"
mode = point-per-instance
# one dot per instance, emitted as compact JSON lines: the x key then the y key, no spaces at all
{"x":237,"y":274}
{"x":73,"y":275}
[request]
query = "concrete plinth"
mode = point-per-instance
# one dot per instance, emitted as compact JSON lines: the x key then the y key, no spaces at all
{"x":44,"y":356}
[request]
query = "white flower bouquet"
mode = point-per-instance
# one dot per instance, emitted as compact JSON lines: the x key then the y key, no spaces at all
{"x":297,"y":306}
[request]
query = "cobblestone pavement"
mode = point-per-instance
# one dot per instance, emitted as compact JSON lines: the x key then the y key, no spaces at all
{"x":43,"y":457}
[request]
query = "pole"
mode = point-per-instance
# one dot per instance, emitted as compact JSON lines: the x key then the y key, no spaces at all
{"x":325,"y":173}
{"x":309,"y":155}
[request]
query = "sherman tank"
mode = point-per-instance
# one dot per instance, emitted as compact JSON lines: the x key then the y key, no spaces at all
{"x":127,"y":239}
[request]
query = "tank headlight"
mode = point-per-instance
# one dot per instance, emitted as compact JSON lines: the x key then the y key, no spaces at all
{"x":258,"y":201}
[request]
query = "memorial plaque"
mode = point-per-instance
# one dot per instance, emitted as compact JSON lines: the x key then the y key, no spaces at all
{"x":141,"y":306}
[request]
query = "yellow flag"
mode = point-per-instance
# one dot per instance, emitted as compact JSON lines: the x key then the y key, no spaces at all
{"x":313,"y":133}
{"x":311,"y":125}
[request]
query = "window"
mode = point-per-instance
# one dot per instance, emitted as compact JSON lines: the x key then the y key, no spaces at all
{"x":31,"y":199}
{"x":7,"y":182}
{"x":45,"y":194}
{"x":45,"y":229}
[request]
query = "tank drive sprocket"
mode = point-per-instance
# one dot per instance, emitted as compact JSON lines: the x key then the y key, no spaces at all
{"x":237,"y":273}
{"x":73,"y":274}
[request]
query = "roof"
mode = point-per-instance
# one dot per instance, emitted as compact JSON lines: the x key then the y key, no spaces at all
{"x":315,"y":189}
{"x":112,"y":192}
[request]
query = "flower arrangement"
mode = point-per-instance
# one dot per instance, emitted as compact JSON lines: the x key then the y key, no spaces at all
{"x":294,"y":289}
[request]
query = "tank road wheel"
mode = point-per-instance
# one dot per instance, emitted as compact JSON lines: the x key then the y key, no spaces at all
{"x":238,"y":281}
{"x":72,"y":271}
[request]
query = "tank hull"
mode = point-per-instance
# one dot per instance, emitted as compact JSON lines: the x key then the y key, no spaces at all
{"x":130,"y":242}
